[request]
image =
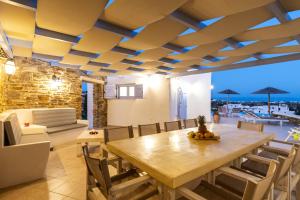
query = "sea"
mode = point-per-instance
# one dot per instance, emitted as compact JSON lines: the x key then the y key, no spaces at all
{"x":257,"y":98}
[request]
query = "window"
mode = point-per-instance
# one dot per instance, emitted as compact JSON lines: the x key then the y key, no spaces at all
{"x":129,"y":91}
{"x":123,"y":91}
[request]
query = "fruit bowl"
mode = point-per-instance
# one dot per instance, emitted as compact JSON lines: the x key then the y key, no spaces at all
{"x":93,"y":132}
{"x":203,"y":136}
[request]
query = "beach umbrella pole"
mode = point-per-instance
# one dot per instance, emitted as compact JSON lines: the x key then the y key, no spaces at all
{"x":227,"y":103}
{"x":269,"y":103}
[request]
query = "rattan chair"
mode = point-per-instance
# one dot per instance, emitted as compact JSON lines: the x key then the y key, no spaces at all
{"x":250,"y":126}
{"x":190,"y":123}
{"x":113,"y":134}
{"x":127,"y":185}
{"x":148,"y":129}
{"x":252,"y":187}
{"x":172,"y":126}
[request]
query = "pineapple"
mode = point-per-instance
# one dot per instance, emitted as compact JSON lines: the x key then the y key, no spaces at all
{"x":202,"y":127}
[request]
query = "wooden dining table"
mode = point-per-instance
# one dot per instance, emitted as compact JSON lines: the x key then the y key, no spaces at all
{"x":173,"y":159}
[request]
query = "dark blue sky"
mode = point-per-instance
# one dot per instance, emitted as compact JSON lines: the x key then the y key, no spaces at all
{"x":284,"y":76}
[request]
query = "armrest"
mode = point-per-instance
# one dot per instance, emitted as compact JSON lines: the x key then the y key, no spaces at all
{"x":239,"y":174}
{"x":285,"y":142}
{"x":45,"y":145}
{"x":106,"y":152}
{"x":279,"y":151}
{"x":130,"y":184}
{"x":29,"y":162}
{"x":189,"y":194}
{"x":123,"y":175}
{"x":260,"y":159}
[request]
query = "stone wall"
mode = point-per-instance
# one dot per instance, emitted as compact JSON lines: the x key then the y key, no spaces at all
{"x":32,"y":86}
{"x":99,"y":107}
{"x":2,"y":80}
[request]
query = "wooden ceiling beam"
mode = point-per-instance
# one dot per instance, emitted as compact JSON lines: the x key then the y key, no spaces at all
{"x":56,"y":35}
{"x":255,"y":63}
{"x":123,"y":32}
{"x":281,"y":14}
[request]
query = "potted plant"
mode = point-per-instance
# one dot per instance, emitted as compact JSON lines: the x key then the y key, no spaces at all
{"x":216,"y":117}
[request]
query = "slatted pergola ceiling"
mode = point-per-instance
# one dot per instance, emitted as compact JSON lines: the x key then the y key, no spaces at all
{"x":169,"y":37}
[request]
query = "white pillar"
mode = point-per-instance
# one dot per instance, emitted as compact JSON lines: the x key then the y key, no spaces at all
{"x":90,"y":104}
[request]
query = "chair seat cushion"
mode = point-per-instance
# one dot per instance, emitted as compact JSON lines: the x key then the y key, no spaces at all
{"x":65,"y":127}
{"x":211,"y":192}
{"x":234,"y":185}
{"x":257,"y":167}
{"x":142,"y":192}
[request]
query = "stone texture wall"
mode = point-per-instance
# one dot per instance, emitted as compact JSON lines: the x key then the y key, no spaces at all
{"x":2,"y":80}
{"x":32,"y":86}
{"x":99,"y":107}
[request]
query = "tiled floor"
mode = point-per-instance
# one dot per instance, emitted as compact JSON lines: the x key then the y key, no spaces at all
{"x":66,"y":174}
{"x":66,"y":179}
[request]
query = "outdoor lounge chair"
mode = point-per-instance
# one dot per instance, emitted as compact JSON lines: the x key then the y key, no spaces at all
{"x":127,"y":185}
{"x":251,"y":186}
{"x":252,"y":117}
{"x":290,"y":117}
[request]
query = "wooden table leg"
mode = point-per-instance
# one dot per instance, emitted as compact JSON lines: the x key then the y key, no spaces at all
{"x":298,"y":191}
{"x":167,"y":193}
{"x":289,"y":191}
{"x":79,"y":149}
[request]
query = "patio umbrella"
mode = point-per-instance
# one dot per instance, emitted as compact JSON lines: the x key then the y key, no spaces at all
{"x":269,"y":91}
{"x":228,"y":92}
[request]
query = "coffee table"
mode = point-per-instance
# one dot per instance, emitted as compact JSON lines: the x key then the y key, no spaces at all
{"x":85,"y":137}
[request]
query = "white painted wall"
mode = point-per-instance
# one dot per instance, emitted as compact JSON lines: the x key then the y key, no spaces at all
{"x":90,"y":104}
{"x":198,"y":91}
{"x":154,"y":107}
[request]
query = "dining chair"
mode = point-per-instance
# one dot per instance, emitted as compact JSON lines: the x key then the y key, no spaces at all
{"x":282,"y":174}
{"x":172,"y":126}
{"x":295,"y":169}
{"x":288,"y":174}
{"x":190,"y":123}
{"x":113,"y":134}
{"x":148,"y":129}
{"x":251,"y":187}
{"x":127,"y":185}
{"x":250,"y":126}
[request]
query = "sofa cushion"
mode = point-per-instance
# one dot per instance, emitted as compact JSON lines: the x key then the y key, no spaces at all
{"x":34,"y":129}
{"x":65,"y":128}
{"x":13,"y":129}
{"x":54,"y":117}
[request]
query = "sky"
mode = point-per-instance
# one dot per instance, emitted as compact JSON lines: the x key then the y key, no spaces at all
{"x":285,"y":76}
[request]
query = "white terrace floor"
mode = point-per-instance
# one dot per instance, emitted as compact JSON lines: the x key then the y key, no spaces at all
{"x":66,"y":173}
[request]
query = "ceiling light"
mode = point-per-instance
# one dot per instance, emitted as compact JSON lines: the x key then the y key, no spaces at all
{"x":10,"y":67}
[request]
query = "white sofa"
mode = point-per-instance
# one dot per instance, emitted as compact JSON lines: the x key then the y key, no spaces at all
{"x":53,"y":119}
{"x":23,"y":156}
